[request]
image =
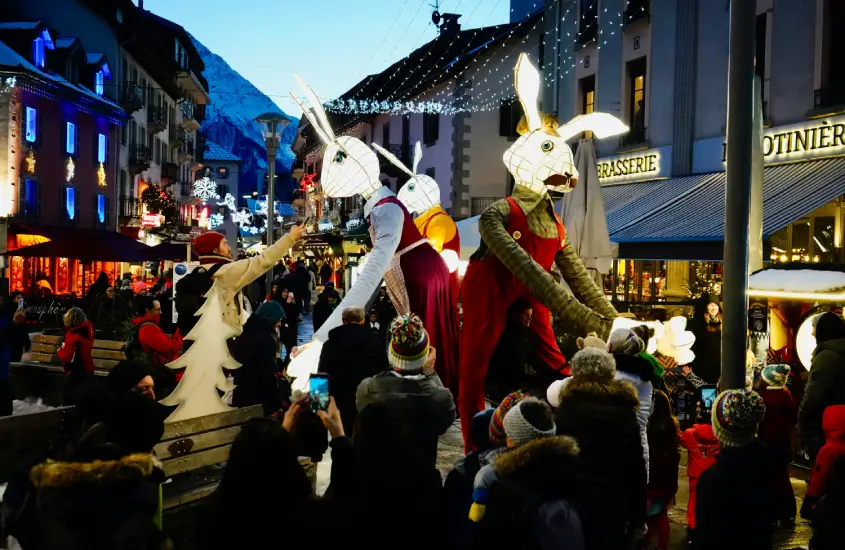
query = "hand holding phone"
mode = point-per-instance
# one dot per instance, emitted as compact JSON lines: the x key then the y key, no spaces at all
{"x":319,"y":392}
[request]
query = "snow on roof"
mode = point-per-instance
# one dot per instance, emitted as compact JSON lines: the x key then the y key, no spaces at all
{"x":94,"y":58}
{"x":65,"y":42}
{"x":11,"y":58}
{"x":20,"y":25}
{"x":218,"y":153}
{"x":796,"y":280}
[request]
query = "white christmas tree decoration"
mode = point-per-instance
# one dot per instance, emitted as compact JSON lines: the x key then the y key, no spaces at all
{"x":196,"y":394}
{"x":205,"y":189}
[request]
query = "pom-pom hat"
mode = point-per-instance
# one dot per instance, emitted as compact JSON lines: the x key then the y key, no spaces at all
{"x":593,"y":362}
{"x":205,"y":244}
{"x":736,"y":415}
{"x":498,"y":438}
{"x":775,"y":375}
{"x":519,"y":430}
{"x":408,"y":343}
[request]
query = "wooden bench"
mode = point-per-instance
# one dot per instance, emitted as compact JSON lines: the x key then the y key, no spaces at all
{"x":106,"y":353}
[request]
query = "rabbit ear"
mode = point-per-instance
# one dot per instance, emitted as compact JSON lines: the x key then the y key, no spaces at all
{"x":313,"y":120}
{"x":528,"y":90}
{"x":603,"y":125}
{"x":392,"y":158}
{"x":317,"y":106}
{"x":417,"y":157}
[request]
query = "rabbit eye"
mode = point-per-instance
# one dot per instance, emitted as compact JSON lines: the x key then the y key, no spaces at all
{"x":411,"y":187}
{"x":340,"y":157}
{"x":547,"y":146}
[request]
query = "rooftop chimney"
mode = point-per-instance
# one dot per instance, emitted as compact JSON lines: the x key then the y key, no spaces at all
{"x":140,"y":4}
{"x":449,"y":23}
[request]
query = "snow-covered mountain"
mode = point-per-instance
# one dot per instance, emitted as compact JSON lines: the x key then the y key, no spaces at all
{"x":229,"y":123}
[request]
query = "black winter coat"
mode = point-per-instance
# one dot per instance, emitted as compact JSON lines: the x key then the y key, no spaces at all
{"x":350,"y":355}
{"x":601,"y":415}
{"x":825,"y":387}
{"x":323,"y":309}
{"x":18,"y":340}
{"x":539,"y":472}
{"x":290,"y":324}
{"x":101,"y":505}
{"x":255,"y":380}
{"x":733,"y":509}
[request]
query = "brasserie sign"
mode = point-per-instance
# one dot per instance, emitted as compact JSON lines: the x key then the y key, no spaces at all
{"x":642,"y":165}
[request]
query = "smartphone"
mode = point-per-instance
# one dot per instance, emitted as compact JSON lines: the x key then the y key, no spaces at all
{"x":708,"y":396}
{"x":319,"y":391}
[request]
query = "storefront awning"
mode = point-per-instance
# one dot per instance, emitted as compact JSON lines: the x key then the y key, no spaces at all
{"x":661,"y":217}
{"x":87,"y":245}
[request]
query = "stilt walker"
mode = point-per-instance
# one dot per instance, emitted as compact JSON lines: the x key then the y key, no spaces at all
{"x":522,"y":240}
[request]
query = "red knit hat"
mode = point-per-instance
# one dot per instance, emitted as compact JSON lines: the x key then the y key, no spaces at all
{"x":205,"y":244}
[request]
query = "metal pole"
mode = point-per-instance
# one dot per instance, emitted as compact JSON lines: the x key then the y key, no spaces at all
{"x":738,"y":193}
{"x":271,"y":201}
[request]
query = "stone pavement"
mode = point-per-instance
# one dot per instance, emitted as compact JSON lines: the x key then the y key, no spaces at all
{"x":451,"y":448}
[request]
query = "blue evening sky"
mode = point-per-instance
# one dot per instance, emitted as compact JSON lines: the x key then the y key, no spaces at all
{"x":333,"y":44}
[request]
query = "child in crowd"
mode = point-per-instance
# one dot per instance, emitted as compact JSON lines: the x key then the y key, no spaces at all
{"x":664,"y":458}
{"x":833,"y":424}
{"x":702,"y":447}
{"x":778,"y":429}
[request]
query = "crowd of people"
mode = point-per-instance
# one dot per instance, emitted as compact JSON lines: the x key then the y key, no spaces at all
{"x":589,"y":462}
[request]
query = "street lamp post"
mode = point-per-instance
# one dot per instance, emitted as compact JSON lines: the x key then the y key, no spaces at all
{"x":272,"y":124}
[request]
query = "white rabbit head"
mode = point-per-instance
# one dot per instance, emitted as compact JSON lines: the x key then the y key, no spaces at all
{"x":541,"y":159}
{"x":421,"y":192}
{"x":349,"y":166}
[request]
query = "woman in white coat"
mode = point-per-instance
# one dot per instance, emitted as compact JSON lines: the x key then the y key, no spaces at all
{"x":626,"y":348}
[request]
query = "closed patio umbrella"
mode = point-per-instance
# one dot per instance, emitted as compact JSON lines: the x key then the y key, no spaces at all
{"x":584,"y":217}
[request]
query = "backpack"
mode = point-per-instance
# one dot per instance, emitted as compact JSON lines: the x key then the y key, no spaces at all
{"x":189,"y":296}
{"x":133,"y":349}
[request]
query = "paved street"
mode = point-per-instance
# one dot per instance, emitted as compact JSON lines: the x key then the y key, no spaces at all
{"x":451,"y":449}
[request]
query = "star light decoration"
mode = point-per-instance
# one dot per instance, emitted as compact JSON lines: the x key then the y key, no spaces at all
{"x":30,"y":162}
{"x":205,"y":189}
{"x":71,"y":170}
{"x":101,"y":175}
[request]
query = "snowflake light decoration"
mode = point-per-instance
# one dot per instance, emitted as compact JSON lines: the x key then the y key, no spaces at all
{"x":215,"y":220}
{"x":242,"y":217}
{"x":229,"y":202}
{"x":261,"y":208}
{"x":205,"y":189}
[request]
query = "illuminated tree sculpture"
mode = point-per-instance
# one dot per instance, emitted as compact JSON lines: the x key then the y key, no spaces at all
{"x":196,"y":395}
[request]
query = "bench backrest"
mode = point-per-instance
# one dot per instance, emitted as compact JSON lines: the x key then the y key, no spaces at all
{"x":28,"y":437}
{"x":192,"y":444}
{"x":106,"y":353}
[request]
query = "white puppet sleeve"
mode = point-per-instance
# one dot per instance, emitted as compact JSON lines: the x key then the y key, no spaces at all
{"x":386,"y":221}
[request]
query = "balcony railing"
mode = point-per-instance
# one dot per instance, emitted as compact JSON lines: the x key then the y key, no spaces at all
{"x":139,"y":158}
{"x":189,"y":117}
{"x":169,"y":171}
{"x":130,"y":207}
{"x":131,"y":97}
{"x":156,"y":118}
{"x":186,"y":152}
{"x":199,"y":150}
{"x":178,"y":136}
{"x":480,"y":204}
{"x":186,"y":188}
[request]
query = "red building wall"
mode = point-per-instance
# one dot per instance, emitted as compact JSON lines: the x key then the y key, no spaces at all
{"x":51,"y":161}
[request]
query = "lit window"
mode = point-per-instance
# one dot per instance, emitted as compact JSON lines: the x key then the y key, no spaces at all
{"x":70,"y":203}
{"x":70,"y":138}
{"x":98,"y":83}
{"x":38,"y":54}
{"x":222,"y":173}
{"x":102,"y":148}
{"x":101,"y":208}
{"x":31,"y":135}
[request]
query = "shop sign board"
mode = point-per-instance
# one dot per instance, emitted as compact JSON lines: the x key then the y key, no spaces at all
{"x":151,"y":220}
{"x":809,"y":140}
{"x":647,"y":164}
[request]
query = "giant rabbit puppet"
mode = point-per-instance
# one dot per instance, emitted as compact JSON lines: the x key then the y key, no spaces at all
{"x":522,"y":239}
{"x":416,"y":277}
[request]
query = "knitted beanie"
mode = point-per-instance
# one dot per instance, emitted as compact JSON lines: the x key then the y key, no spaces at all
{"x":625,"y":341}
{"x":271,"y":312}
{"x":520,"y":430}
{"x":554,"y":390}
{"x":205,"y":244}
{"x":775,"y":375}
{"x":593,"y":362}
{"x":497,"y":423}
{"x":408,"y":343}
{"x":736,"y":415}
{"x":591,"y":341}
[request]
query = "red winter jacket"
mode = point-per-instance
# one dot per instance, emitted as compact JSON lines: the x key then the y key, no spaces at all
{"x":153,"y":340}
{"x":833,"y":423}
{"x":77,"y":347}
{"x":778,"y":425}
{"x":703,"y":447}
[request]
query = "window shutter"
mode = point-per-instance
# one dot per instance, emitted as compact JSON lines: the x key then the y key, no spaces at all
{"x":435,"y":132}
{"x":40,"y":202}
{"x":21,"y":197}
{"x":96,"y":148}
{"x":505,"y":119}
{"x":95,"y":221}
